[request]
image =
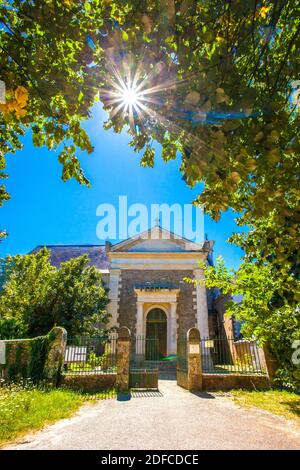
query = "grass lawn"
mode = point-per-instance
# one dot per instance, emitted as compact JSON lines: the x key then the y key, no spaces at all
{"x":29,"y":409}
{"x":278,"y":402}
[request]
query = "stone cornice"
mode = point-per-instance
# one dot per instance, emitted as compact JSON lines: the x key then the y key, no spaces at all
{"x":159,"y":295}
{"x":153,"y":255}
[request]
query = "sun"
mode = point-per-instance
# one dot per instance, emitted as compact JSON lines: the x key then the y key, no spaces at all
{"x":130,"y":96}
{"x":134,"y":91}
{"x":127,"y":96}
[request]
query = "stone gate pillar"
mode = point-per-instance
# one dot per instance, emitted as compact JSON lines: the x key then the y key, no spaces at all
{"x":269,"y":362}
{"x":123,"y":358}
{"x":55,"y":356}
{"x":194,"y":360}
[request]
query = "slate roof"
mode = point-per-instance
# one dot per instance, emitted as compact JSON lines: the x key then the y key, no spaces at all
{"x":61,"y":253}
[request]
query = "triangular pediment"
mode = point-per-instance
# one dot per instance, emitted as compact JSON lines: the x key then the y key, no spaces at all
{"x":156,"y":240}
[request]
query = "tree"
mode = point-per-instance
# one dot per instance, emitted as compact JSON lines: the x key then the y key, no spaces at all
{"x":216,"y":84}
{"x":50,"y":78}
{"x":263,"y":317}
{"x":218,"y":91}
{"x":222,"y":98}
{"x":214,"y":81}
{"x":36,"y":296}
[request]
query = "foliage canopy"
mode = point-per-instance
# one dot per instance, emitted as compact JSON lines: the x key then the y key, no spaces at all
{"x":221,"y":76}
{"x":263,"y":317}
{"x":36,"y":296}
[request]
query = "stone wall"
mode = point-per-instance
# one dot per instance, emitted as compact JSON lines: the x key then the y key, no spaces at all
{"x":39,"y":358}
{"x":186,"y":313}
{"x":234,"y":381}
{"x":89,"y":383}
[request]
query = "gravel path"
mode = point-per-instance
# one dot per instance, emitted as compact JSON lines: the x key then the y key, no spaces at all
{"x":171,"y":419}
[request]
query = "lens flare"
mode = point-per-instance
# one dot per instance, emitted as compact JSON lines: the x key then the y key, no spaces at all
{"x":130,"y":97}
{"x":152,"y":97}
{"x":132,"y":89}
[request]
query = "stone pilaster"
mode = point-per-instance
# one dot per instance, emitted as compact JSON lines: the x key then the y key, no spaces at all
{"x":139,"y":318}
{"x":114,"y":294}
{"x":202,"y":309}
{"x":139,"y":332}
{"x":172,"y":346}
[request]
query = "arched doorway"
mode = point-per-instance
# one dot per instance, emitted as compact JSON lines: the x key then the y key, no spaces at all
{"x":156,"y":329}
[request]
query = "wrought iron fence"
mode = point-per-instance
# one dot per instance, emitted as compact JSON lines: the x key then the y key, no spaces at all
{"x":221,"y":355}
{"x":144,"y":352}
{"x":90,"y":355}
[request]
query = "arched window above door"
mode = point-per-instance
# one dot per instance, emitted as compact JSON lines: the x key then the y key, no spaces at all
{"x":156,"y":315}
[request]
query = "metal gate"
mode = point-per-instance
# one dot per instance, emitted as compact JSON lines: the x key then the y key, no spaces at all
{"x":144,"y":360}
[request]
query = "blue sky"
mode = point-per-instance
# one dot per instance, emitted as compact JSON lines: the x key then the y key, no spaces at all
{"x":45,"y":210}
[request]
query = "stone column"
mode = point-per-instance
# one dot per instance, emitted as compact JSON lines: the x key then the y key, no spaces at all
{"x":194,"y":360}
{"x":172,"y":333}
{"x":123,"y":359}
{"x":140,"y":333}
{"x":202,"y":309}
{"x":139,"y":318}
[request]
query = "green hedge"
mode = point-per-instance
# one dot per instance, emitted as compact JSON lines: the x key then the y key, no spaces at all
{"x":26,"y":358}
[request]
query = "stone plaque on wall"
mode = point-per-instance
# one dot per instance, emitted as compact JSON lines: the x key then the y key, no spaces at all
{"x":2,"y":352}
{"x":194,"y":349}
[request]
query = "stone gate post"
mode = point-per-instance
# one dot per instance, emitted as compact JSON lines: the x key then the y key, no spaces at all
{"x":55,"y":357}
{"x":270,"y":363}
{"x":123,"y":358}
{"x":194,"y":360}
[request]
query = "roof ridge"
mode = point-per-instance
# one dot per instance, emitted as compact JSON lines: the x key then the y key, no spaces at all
{"x":70,"y":246}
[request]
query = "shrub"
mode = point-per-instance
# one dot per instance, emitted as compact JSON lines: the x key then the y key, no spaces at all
{"x":36,"y":296}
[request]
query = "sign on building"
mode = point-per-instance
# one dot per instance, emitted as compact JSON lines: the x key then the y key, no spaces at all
{"x":194,"y":349}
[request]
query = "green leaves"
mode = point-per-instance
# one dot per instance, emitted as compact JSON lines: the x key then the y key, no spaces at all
{"x":125,"y":36}
{"x":71,"y":165}
{"x":36,"y":296}
{"x":87,"y":6}
{"x":148,"y":158}
{"x":50,"y":60}
{"x":266,"y":314}
{"x":222,"y":75}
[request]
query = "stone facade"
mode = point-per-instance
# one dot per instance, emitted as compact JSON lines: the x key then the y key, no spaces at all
{"x":145,"y":274}
{"x":186,"y":312}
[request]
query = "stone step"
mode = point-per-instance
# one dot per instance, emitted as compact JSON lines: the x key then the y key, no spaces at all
{"x":167,"y":375}
{"x":167,"y":366}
